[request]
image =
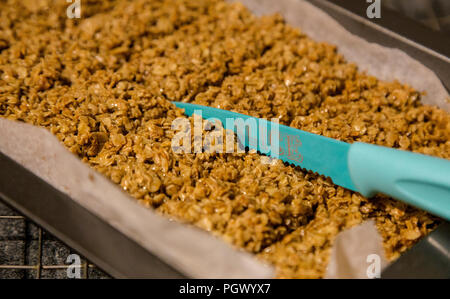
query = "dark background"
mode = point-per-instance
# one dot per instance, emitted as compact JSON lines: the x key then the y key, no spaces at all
{"x":435,"y":14}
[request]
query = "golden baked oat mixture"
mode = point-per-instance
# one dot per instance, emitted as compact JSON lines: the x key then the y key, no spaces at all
{"x":103,"y":85}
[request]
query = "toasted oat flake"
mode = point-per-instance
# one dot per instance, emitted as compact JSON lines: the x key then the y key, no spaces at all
{"x":103,"y":85}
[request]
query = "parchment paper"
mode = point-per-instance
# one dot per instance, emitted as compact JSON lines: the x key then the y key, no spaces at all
{"x":384,"y":63}
{"x":191,"y":251}
{"x":357,"y":253}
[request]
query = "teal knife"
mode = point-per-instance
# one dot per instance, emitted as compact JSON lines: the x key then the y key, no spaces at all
{"x":420,"y":180}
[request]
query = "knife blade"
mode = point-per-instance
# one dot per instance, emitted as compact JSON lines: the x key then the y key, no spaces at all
{"x":313,"y":152}
{"x":420,"y":180}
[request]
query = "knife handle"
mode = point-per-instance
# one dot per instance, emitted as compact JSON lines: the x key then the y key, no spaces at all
{"x":420,"y":180}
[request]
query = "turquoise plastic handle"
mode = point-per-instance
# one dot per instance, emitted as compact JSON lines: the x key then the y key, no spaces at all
{"x":420,"y":180}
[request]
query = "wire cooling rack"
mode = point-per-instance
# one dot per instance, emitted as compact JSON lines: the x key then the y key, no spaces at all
{"x":28,"y":251}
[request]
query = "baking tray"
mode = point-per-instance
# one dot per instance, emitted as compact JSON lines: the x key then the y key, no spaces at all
{"x":76,"y":226}
{"x":93,"y":237}
{"x":393,"y":30}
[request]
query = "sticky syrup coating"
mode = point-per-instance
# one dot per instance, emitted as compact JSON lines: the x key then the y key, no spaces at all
{"x":103,"y":85}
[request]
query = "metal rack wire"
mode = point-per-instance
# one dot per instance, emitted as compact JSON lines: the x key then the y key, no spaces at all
{"x":28,"y":251}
